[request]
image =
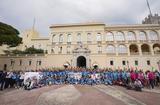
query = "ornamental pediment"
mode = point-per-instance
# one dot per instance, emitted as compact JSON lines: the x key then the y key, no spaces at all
{"x":81,"y":49}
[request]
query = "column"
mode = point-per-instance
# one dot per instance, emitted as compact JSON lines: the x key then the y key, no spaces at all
{"x":151,"y":49}
{"x":125,"y":34}
{"x":139,"y":49}
{"x":128,"y":50}
{"x":116,"y":48}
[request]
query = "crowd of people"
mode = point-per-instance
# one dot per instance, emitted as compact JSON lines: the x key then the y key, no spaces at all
{"x":129,"y":78}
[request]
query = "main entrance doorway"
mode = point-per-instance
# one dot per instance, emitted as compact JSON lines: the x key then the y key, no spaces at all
{"x":81,"y":61}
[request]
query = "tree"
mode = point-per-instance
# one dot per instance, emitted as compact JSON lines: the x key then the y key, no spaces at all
{"x":33,"y":50}
{"x":9,"y":35}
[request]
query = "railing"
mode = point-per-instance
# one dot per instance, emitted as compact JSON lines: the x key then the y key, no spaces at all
{"x":134,"y":53}
{"x":143,"y":41}
{"x":146,"y":53}
{"x":69,"y":43}
{"x":132,"y":41}
{"x":122,"y":53}
{"x":111,"y":53}
{"x":155,"y":41}
{"x":109,"y":41}
{"x":99,"y":52}
{"x":157,"y":53}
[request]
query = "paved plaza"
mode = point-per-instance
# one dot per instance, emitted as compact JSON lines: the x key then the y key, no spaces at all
{"x":79,"y":95}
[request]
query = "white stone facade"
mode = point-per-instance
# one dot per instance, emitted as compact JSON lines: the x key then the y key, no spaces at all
{"x":89,"y":44}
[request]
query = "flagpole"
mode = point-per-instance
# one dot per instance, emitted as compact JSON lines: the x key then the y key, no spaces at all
{"x":149,"y":7}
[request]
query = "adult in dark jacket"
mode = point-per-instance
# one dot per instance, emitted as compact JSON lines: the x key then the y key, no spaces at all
{"x":2,"y":79}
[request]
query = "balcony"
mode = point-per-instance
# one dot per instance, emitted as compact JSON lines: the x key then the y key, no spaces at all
{"x":122,"y":54}
{"x":134,"y":53}
{"x":99,"y":52}
{"x":110,"y":54}
{"x":53,"y":43}
{"x":99,"y":42}
{"x":69,"y":43}
{"x":89,"y":42}
{"x":109,"y":41}
{"x":132,"y":41}
{"x":155,"y":41}
{"x":143,"y":41}
{"x":146,"y":53}
{"x":157,"y":53}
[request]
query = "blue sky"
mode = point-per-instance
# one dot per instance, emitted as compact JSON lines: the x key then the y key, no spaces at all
{"x":21,"y":13}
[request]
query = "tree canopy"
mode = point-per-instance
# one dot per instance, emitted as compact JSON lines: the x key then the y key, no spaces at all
{"x":30,"y":50}
{"x":9,"y":35}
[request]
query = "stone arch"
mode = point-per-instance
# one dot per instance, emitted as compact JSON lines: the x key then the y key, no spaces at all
{"x":109,"y":36}
{"x":110,"y":49}
{"x":156,"y":48}
{"x":153,"y":35}
{"x":133,"y":48}
{"x":53,"y":38}
{"x":131,"y":35}
{"x":122,"y":48}
{"x":145,"y":48}
{"x":119,"y":36}
{"x":81,"y":61}
{"x":142,"y":35}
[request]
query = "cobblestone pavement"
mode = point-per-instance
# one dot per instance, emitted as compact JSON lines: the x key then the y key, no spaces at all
{"x":80,"y":95}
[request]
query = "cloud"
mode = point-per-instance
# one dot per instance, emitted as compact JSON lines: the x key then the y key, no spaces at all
{"x":21,"y":13}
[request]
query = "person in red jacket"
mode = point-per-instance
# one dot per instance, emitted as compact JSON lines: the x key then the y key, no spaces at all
{"x":132,"y":76}
{"x":151,"y":79}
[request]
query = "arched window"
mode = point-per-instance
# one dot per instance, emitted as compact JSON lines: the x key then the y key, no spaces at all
{"x":119,"y":36}
{"x":133,"y":49}
{"x":79,"y":37}
{"x":69,"y":38}
{"x":110,"y":49}
{"x":109,"y":37}
{"x":145,"y":49}
{"x":89,"y":37}
{"x":99,"y":37}
{"x":99,"y":48}
{"x":142,"y":36}
{"x":122,"y":49}
{"x":68,"y":49}
{"x":156,"y":48}
{"x":153,"y":35}
{"x":60,"y":38}
{"x":130,"y":36}
{"x":53,"y":38}
{"x":52,"y":50}
{"x":39,"y":46}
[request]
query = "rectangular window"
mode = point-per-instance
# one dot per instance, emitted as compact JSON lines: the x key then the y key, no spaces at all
{"x":99,"y":37}
{"x":89,"y":38}
{"x":40,"y":62}
{"x":123,"y":62}
{"x":79,"y":38}
{"x":20,"y":62}
{"x":12,"y":62}
{"x":99,"y":49}
{"x":148,"y":62}
{"x":30,"y":62}
{"x":136,"y":63}
{"x":111,"y":63}
{"x":68,"y":49}
{"x":69,"y":38}
{"x":60,"y":49}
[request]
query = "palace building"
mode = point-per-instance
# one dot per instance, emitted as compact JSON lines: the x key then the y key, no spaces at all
{"x":90,"y":45}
